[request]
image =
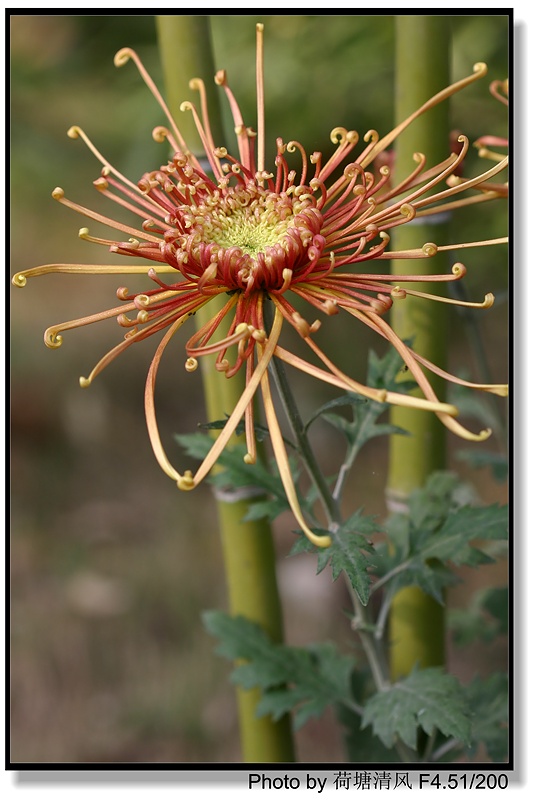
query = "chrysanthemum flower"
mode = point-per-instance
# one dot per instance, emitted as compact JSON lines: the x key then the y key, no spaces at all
{"x":227,"y":227}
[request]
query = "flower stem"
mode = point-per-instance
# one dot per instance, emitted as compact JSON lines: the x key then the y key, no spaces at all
{"x":360,"y":622}
{"x":277,"y":367}
{"x":249,"y":557}
{"x":422,"y":42}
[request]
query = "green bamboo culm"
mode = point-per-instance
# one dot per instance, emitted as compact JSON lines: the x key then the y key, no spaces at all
{"x":422,"y":69}
{"x":248,"y":550}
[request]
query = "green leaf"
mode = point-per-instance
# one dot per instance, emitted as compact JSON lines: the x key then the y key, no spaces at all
{"x":196,"y":445}
{"x":361,"y":746}
{"x":382,"y":374}
{"x":435,"y":533}
{"x":260,"y":432}
{"x":388,"y":372}
{"x":349,"y":552}
{"x":426,"y":699}
{"x":486,"y":618}
{"x":236,"y":471}
{"x":317,"y":676}
{"x":453,"y":542}
{"x":430,"y":505}
{"x":348,"y":399}
{"x":489,"y":704}
{"x":266,"y":509}
{"x":496,"y":602}
{"x":242,"y":639}
{"x":303,"y":679}
{"x":261,"y":486}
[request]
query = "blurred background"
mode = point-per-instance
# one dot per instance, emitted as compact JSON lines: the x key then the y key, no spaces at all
{"x":111,"y":565}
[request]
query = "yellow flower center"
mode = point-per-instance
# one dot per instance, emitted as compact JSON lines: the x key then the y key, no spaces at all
{"x":247,"y":236}
{"x":252,"y":233}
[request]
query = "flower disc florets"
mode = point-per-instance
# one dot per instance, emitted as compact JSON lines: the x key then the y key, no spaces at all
{"x":243,"y":237}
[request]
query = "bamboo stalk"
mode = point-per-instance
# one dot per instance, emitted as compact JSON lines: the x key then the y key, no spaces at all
{"x":249,"y":557}
{"x":422,"y":42}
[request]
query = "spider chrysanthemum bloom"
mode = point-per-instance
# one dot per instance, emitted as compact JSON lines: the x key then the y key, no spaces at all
{"x":225,"y":226}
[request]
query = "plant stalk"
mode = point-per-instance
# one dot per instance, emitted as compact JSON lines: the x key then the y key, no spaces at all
{"x":332,"y":510}
{"x":416,"y":629}
{"x":248,"y":549}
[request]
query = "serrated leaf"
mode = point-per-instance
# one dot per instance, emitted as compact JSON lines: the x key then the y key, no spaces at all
{"x":486,"y":618}
{"x":242,"y":639}
{"x":489,"y":704}
{"x":196,"y":445}
{"x":236,"y":471}
{"x":383,"y":374}
{"x":387,"y":372}
{"x":361,"y":746}
{"x":432,"y":579}
{"x":437,"y":532}
{"x":302,"y":543}
{"x":430,"y":505}
{"x":260,"y":432}
{"x":363,"y":427}
{"x":427,"y":699}
{"x":348,"y":399}
{"x":306,"y":680}
{"x":266,"y":509}
{"x":349,"y":552}
{"x":463,"y":525}
{"x":321,"y":679}
{"x":256,"y":479}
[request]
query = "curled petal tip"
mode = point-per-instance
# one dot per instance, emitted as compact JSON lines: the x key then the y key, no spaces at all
{"x":58,"y":193}
{"x":159,"y":134}
{"x":185,"y":482}
{"x":220,"y":77}
{"x":249,"y":459}
{"x":371,"y":136}
{"x":259,"y":27}
{"x":73,"y":132}
{"x":52,"y":338}
{"x":408,"y":211}
{"x":122,"y":57}
{"x":459,"y":270}
{"x":397,"y":293}
{"x":480,"y":68}
{"x":19,"y":280}
{"x":85,"y":382}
